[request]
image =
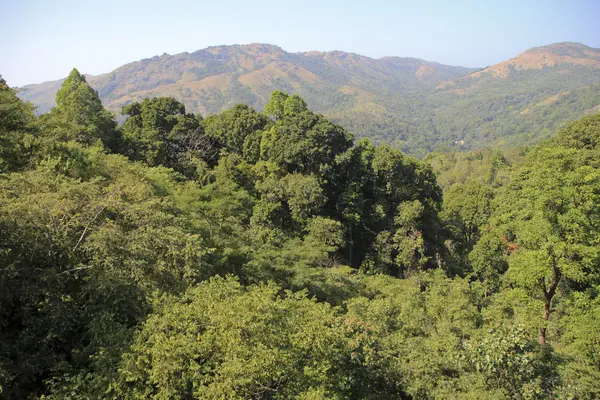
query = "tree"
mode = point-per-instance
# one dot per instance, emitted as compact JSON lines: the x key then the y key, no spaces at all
{"x":354,"y":200}
{"x":407,"y":200}
{"x":580,"y":328}
{"x":222,"y":340}
{"x":304,"y":142}
{"x":466,"y":212}
{"x":511,"y":364}
{"x":80,"y":116}
{"x":238,"y":130}
{"x":581,"y":134}
{"x":79,"y":258}
{"x":276,"y":105}
{"x":421,"y":322}
{"x":294,"y":105}
{"x":16,"y":124}
{"x":159,"y":132}
{"x":550,"y":216}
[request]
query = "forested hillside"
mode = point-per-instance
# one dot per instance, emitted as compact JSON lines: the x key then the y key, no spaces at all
{"x":269,"y":255}
{"x":416,"y":106}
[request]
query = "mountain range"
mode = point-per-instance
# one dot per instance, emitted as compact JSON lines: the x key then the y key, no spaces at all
{"x":416,"y":105}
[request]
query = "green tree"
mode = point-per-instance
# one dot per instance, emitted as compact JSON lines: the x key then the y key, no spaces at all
{"x":550,"y":217}
{"x":82,"y":247}
{"x":80,"y":116}
{"x":406,"y":206}
{"x":354,"y":199}
{"x":301,"y":141}
{"x":422,"y":323}
{"x":221,"y":340}
{"x":16,"y":129}
{"x":511,"y":364}
{"x":159,"y":132}
{"x":238,"y":130}
{"x":276,"y":105}
{"x":466,"y":212}
{"x":580,"y":328}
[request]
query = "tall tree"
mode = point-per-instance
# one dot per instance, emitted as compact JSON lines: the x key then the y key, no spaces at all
{"x":466,"y":211}
{"x":80,"y":116}
{"x":549,"y":218}
{"x":16,"y":122}
{"x":238,"y":130}
{"x":160,"y":132}
{"x":301,"y":141}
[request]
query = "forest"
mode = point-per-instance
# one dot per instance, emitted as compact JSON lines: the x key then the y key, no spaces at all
{"x":269,"y":255}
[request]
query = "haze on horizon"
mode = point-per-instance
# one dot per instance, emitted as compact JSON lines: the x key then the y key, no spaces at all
{"x":46,"y":40}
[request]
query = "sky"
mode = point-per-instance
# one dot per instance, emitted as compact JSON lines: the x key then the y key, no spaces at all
{"x":44,"y":39}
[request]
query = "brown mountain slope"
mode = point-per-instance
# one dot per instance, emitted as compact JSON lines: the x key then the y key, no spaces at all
{"x":212,"y":79}
{"x":554,"y":55}
{"x":414,"y":104}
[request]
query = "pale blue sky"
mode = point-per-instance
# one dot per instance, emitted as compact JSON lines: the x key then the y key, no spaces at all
{"x":44,"y":39}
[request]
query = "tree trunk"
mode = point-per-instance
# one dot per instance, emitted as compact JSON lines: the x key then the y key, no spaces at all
{"x":547,"y":305}
{"x":350,"y":248}
{"x":548,"y":296}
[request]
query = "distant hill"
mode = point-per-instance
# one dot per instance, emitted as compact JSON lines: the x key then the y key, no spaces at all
{"x":521,"y":100}
{"x":414,"y":104}
{"x":538,"y":58}
{"x":212,"y":79}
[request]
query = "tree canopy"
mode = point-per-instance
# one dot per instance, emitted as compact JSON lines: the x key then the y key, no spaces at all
{"x":269,"y":256}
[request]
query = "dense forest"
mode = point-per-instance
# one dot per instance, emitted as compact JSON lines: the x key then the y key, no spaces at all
{"x":268,"y":255}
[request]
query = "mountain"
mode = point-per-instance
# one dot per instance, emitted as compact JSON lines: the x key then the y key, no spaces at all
{"x":414,"y":104}
{"x":212,"y":79}
{"x":521,"y":100}
{"x":555,"y":55}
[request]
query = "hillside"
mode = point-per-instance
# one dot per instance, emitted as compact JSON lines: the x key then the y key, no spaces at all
{"x":522,"y":100}
{"x":416,"y":105}
{"x":555,"y":55}
{"x":212,"y":79}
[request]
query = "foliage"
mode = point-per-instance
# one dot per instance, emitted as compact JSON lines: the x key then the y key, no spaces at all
{"x":268,"y":256}
{"x":261,"y":344}
{"x":16,"y":129}
{"x":159,"y":132}
{"x":79,"y":115}
{"x":236,"y":130}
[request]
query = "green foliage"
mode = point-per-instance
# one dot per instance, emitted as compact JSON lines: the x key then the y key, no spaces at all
{"x":96,"y":245}
{"x":159,"y":132}
{"x":263,"y":345}
{"x":16,"y":129}
{"x":550,"y":213}
{"x":486,"y":167}
{"x":301,"y":141}
{"x":545,"y":227}
{"x":582,"y":135}
{"x":466,"y":211}
{"x":276,"y":105}
{"x":267,"y":256}
{"x":488,"y":259}
{"x":511,"y":364}
{"x":422,"y":322}
{"x":581,"y":325}
{"x":236,"y":130}
{"x":79,"y":115}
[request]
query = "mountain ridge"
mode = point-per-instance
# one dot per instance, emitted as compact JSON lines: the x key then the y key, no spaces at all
{"x":416,"y":105}
{"x":224,"y":59}
{"x":546,"y":56}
